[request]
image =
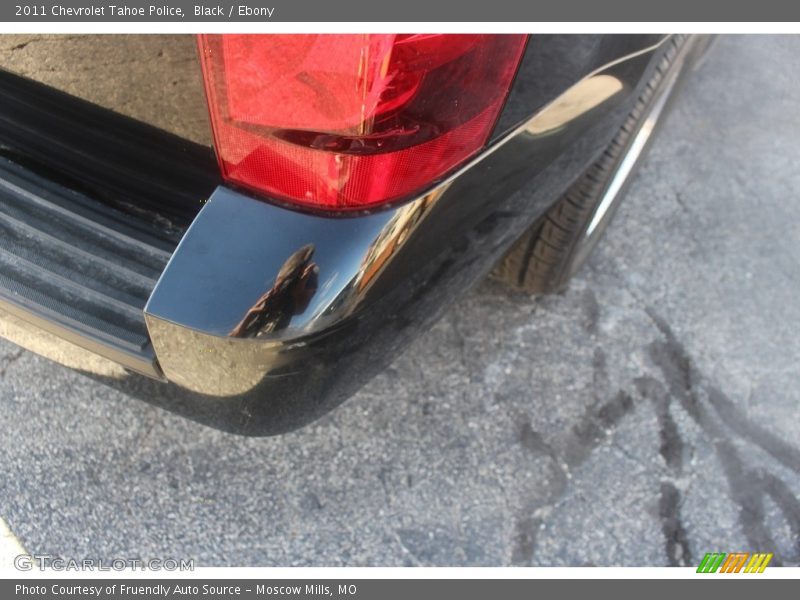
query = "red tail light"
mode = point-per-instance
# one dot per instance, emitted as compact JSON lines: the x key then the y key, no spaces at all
{"x":342,"y":122}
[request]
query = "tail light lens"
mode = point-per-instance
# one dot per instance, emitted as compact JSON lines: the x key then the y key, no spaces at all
{"x":344,"y":122}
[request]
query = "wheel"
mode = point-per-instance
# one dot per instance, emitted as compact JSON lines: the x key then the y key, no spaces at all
{"x":548,"y":254}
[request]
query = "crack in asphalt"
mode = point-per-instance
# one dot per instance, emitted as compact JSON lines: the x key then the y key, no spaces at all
{"x":575,"y":448}
{"x":672,"y":450}
{"x":748,"y":487}
{"x":685,"y":385}
{"x":9,"y":360}
{"x":677,"y":540}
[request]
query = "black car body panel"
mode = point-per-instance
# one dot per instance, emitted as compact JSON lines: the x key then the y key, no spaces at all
{"x":266,"y":317}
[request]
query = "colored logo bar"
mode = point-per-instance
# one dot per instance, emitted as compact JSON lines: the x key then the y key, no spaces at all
{"x":737,"y":562}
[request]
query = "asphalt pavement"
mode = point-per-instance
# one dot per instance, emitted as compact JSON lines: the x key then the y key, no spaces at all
{"x":648,"y":415}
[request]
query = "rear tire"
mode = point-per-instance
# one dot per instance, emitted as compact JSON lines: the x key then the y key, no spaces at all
{"x":548,"y":254}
